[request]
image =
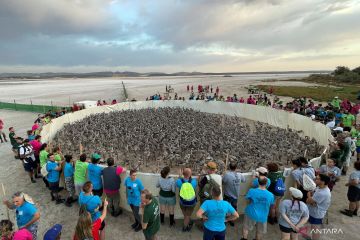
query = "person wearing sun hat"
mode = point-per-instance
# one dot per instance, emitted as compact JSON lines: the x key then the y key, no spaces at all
{"x":206,"y":181}
{"x":294,"y":213}
{"x":53,"y":233}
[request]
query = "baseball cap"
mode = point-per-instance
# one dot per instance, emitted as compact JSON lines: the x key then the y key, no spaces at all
{"x":262,"y":170}
{"x":296,"y":193}
{"x":53,"y":232}
{"x":212,"y":165}
{"x":96,"y":156}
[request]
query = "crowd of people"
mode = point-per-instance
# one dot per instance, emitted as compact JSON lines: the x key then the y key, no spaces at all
{"x":95,"y":187}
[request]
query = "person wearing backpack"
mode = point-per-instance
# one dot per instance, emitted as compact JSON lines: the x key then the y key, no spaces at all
{"x":301,"y":168}
{"x":187,"y":195}
{"x":277,"y":187}
{"x":207,"y":182}
{"x":26,"y":154}
{"x":167,"y":196}
{"x":231,"y":185}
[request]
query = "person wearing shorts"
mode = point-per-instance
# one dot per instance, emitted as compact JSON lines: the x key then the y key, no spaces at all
{"x":187,"y":206}
{"x":167,"y":197}
{"x":293,"y":215}
{"x":53,"y":178}
{"x":353,"y":193}
{"x":318,"y":203}
{"x":26,"y":154}
{"x":256,"y":212}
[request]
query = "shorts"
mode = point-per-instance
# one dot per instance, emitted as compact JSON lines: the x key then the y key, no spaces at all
{"x":187,"y":210}
{"x":249,"y":224}
{"x":29,"y":165}
{"x":353,"y":194}
{"x":171,"y":201}
{"x":54,"y":186}
{"x":37,"y":159}
{"x":213,"y":235}
{"x":315,"y":221}
{"x":286,"y":229}
{"x":358,"y":149}
{"x":102,"y":225}
{"x":232,"y":201}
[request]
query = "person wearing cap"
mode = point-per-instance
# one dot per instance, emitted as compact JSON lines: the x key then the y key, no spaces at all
{"x":260,"y":172}
{"x":294,"y":214}
{"x":256,"y":212}
{"x":211,"y":168}
{"x":53,"y":233}
{"x":95,"y":171}
{"x":335,"y":103}
{"x":318,"y":203}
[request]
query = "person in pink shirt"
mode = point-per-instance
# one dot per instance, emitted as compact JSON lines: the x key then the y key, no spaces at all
{"x":36,"y":144}
{"x":7,"y":232}
{"x":242,"y":100}
{"x":2,"y":134}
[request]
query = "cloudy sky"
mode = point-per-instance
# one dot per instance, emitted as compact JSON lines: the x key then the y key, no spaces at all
{"x":178,"y":35}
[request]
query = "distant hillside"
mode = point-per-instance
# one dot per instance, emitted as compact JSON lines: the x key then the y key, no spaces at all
{"x":131,"y":74}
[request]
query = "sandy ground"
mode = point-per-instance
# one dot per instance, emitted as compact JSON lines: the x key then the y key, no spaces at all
{"x":14,"y":178}
{"x":63,"y":92}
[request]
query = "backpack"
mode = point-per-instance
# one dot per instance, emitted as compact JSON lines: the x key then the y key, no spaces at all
{"x":205,"y":191}
{"x":44,"y":172}
{"x":280,"y":187}
{"x":187,"y":192}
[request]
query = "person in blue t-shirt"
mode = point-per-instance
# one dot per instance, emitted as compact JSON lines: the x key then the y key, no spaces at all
{"x":27,"y":215}
{"x":256,"y":213}
{"x":94,"y":174}
{"x":215,"y":213}
{"x":133,"y":194}
{"x":53,"y":178}
{"x":261,"y":172}
{"x":69,"y":180}
{"x":93,"y":204}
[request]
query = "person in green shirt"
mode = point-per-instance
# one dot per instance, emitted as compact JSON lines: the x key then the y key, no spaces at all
{"x":336,"y":103}
{"x":347,"y":119}
{"x":151,"y":215}
{"x":80,"y":173}
{"x":15,"y":142}
{"x":43,"y":154}
{"x":357,"y":141}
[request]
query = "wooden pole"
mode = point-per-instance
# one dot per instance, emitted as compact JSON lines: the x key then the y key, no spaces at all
{"x":7,"y":209}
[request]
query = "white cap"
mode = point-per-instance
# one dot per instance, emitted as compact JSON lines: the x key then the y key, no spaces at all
{"x":312,"y":117}
{"x":262,"y":170}
{"x":296,"y":193}
{"x":340,"y":129}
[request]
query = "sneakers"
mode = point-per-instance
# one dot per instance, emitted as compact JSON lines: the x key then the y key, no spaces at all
{"x":59,"y":201}
{"x":138,"y":228}
{"x":33,"y":180}
{"x":134,"y":225}
{"x":347,"y":212}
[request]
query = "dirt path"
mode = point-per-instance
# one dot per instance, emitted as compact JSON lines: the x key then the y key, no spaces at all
{"x":15,"y":179}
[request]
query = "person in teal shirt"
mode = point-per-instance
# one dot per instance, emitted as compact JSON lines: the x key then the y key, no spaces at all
{"x":133,"y":194}
{"x":53,"y":178}
{"x":215,"y":213}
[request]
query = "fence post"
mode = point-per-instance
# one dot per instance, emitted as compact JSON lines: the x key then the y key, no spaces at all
{"x":15,"y":105}
{"x":52,"y":107}
{"x":32,"y":107}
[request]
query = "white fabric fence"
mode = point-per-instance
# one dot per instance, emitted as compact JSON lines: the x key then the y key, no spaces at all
{"x":277,"y":118}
